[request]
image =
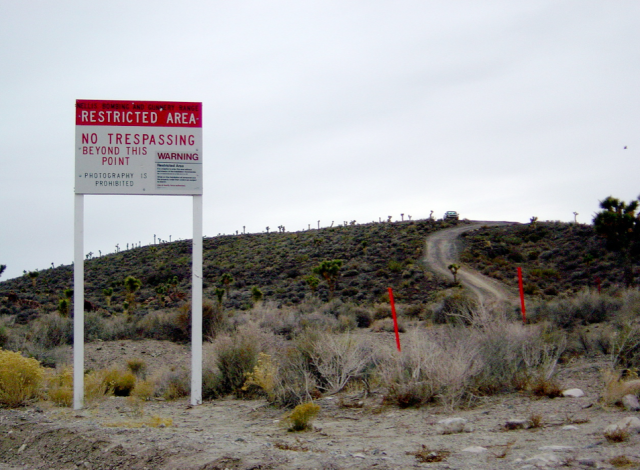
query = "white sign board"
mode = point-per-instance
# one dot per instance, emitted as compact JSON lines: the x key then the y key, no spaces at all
{"x":138,"y":147}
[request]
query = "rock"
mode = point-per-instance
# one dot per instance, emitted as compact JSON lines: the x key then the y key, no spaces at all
{"x":630,"y":423}
{"x":544,"y":460}
{"x":454,"y":425}
{"x":475,"y":449}
{"x":573,"y":393}
{"x":556,"y":448}
{"x":630,"y":403}
{"x":513,"y":424}
{"x":569,"y":427}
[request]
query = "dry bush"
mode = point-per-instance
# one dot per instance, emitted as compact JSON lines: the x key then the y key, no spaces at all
{"x":172,"y":384}
{"x":585,"y":308}
{"x":236,"y":355}
{"x":617,"y":435}
{"x":21,"y":379}
{"x":451,"y":305}
{"x":60,"y":386}
{"x":51,"y":330}
{"x":96,"y":386}
{"x":615,"y":387}
{"x":543,"y":387}
{"x":429,"y":368}
{"x":144,"y":389}
{"x":161,"y":325}
{"x":263,"y":376}
{"x":213,"y":320}
{"x":107,"y":328}
{"x":387,"y":325}
{"x":512,"y":353}
{"x":120,"y":383}
{"x":336,"y":359}
{"x":138,"y":367}
{"x":295,"y":383}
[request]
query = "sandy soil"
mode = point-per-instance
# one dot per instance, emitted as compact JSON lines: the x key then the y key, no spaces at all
{"x":350,"y":432}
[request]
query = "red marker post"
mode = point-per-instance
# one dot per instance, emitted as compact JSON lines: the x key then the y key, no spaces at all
{"x":395,"y":318}
{"x":524,"y":312}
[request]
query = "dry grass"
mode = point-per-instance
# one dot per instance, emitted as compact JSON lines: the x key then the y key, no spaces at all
{"x":616,"y":388}
{"x":424,"y":455}
{"x":617,"y":435}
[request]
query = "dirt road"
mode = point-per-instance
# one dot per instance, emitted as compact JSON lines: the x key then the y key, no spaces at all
{"x":444,"y":248}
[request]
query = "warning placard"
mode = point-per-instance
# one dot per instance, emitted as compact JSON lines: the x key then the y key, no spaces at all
{"x":138,"y":147}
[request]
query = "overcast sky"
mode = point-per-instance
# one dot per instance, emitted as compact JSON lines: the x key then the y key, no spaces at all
{"x":323,"y":110}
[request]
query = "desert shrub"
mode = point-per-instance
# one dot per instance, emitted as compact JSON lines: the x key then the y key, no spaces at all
{"x":174,"y":384}
{"x":119,"y":382}
{"x":583,"y":309}
{"x":99,"y":327}
{"x":512,"y":353}
{"x":21,"y":379}
{"x":616,"y":387}
{"x":144,"y":389}
{"x":301,"y":417}
{"x":213,"y":320}
{"x":408,"y":377}
{"x":283,"y":321}
{"x":52,"y":330}
{"x":262,"y":378}
{"x":319,"y":322}
{"x":161,"y":325}
{"x":363,"y":318}
{"x":4,"y":335}
{"x":430,"y":368}
{"x":450,"y":306}
{"x":387,"y":325}
{"x":236,"y":356}
{"x":60,"y":387}
{"x":336,"y":359}
{"x":95,"y":386}
{"x":294,"y":381}
{"x":138,"y":367}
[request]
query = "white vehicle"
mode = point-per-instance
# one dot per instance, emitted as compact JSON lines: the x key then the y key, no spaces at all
{"x":451,"y":215}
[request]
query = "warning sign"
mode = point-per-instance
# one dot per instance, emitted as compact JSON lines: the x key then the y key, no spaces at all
{"x":138,"y":147}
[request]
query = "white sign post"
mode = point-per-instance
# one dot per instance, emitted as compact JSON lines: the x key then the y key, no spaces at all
{"x":138,"y":147}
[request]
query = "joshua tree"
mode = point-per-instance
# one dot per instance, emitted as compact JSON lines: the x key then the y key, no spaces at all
{"x":330,"y":271}
{"x":267,"y":229}
{"x":402,"y":217}
{"x":256,"y":294}
{"x":131,"y":285}
{"x":63,"y":307}
{"x":312,"y":282}
{"x":108,"y":293}
{"x":533,"y":222}
{"x":454,"y":270}
{"x":33,"y":275}
{"x":68,"y":293}
{"x":4,"y":266}
{"x":575,"y":218}
{"x":161,"y":291}
{"x":226,"y":280}
{"x":620,"y":226}
{"x":219,"y":294}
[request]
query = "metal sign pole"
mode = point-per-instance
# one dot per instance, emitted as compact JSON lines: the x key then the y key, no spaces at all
{"x":196,"y":304}
{"x":78,"y":303}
